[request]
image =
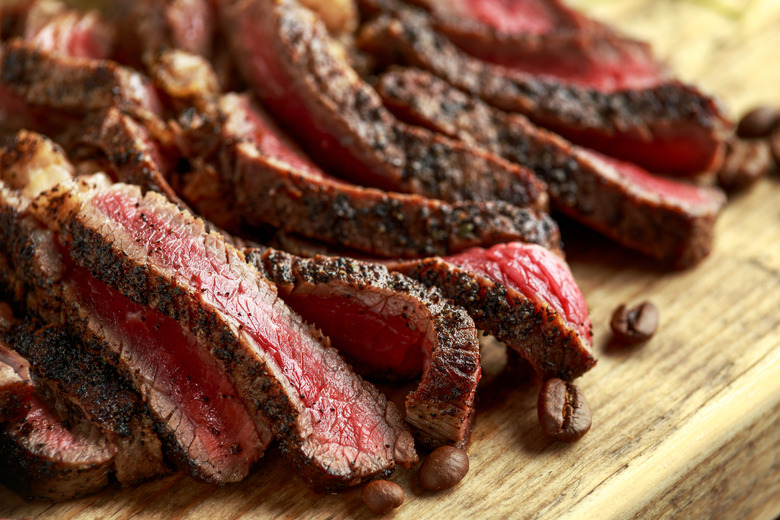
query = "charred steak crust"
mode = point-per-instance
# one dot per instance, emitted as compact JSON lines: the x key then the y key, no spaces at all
{"x":382,"y":223}
{"x":91,"y":389}
{"x":43,"y":282}
{"x":441,"y":408}
{"x":637,"y":116}
{"x":73,"y":84}
{"x":536,"y":331}
{"x":40,"y":476}
{"x":315,"y":89}
{"x":673,"y":233}
{"x":42,"y":458}
{"x":127,"y":145}
{"x":115,"y":259}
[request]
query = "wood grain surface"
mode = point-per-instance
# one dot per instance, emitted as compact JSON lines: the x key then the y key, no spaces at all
{"x":685,"y":426}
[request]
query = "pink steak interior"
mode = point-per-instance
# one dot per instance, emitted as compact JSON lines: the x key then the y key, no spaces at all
{"x":376,"y":342}
{"x":536,"y":273}
{"x":253,"y":307}
{"x":510,"y":16}
{"x":666,"y":189}
{"x":179,"y":369}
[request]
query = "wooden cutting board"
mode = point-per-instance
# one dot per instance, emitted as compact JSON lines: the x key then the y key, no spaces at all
{"x":687,"y":425}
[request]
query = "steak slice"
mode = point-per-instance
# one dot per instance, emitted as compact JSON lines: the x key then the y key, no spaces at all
{"x":337,"y":428}
{"x":86,"y":387}
{"x":51,"y":26}
{"x":291,"y":62}
{"x":387,"y":325}
{"x":152,"y":26}
{"x":15,"y":387}
{"x":273,"y":182}
{"x":671,"y":127}
{"x":205,"y":427}
{"x":74,"y":85}
{"x":523,"y":295}
{"x":667,"y":220}
{"x":131,"y":152}
{"x":547,"y":38}
{"x":41,"y":458}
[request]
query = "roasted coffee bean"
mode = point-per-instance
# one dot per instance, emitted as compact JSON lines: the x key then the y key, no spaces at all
{"x":759,"y":122}
{"x":564,"y":413}
{"x":746,"y":162}
{"x":774,"y":144}
{"x":636,"y":325}
{"x":382,"y":496}
{"x":443,"y":468}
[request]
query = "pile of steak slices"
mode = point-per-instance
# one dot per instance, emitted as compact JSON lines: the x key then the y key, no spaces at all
{"x":187,"y":187}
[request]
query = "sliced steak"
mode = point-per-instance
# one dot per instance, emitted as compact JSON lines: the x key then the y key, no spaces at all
{"x":523,"y":295}
{"x":287,"y":56}
{"x":51,"y":26}
{"x":131,"y":153}
{"x":667,"y":220}
{"x":42,"y":458}
{"x":152,"y":26}
{"x":389,"y":326}
{"x":74,"y":85}
{"x":549,"y":39}
{"x":15,"y":386}
{"x":337,"y":428}
{"x":275,"y":183}
{"x":86,"y":387}
{"x":667,"y":128}
{"x":205,"y":426}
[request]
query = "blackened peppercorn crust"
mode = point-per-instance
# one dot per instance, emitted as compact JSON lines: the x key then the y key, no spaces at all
{"x":629,"y":123}
{"x":535,"y":330}
{"x":679,"y":234}
{"x":340,"y":119}
{"x":441,"y":408}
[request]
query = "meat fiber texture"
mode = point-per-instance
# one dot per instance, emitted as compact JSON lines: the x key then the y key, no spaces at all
{"x":205,"y":427}
{"x":391,"y":327}
{"x":523,"y":295}
{"x":338,"y":429}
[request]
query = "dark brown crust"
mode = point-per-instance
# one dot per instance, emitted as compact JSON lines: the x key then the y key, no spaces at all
{"x":365,"y":143}
{"x":127,"y":145}
{"x":535,"y":331}
{"x":441,"y":408}
{"x":118,"y":262}
{"x":37,"y":279}
{"x":35,"y":274}
{"x":676,"y":235}
{"x":74,"y":85}
{"x":374,"y":221}
{"x":38,"y":477}
{"x":575,"y":42}
{"x":89,"y":388}
{"x":637,"y":116}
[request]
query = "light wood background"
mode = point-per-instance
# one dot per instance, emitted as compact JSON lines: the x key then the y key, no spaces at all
{"x":685,"y":426}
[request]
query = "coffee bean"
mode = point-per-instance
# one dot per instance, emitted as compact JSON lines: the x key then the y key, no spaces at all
{"x":774,"y":144}
{"x":443,"y":468}
{"x":758,"y":122}
{"x":746,"y":162}
{"x":631,"y":326}
{"x":564,"y":413}
{"x":382,"y":496}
